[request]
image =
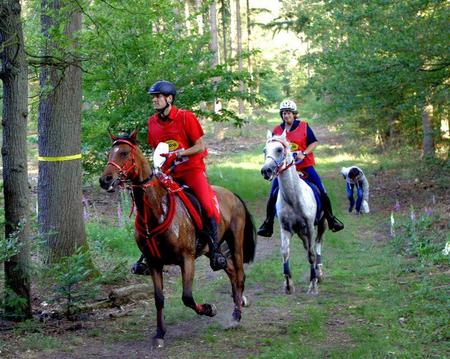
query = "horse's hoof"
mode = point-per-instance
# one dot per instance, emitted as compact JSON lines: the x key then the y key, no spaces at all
{"x":233,"y":324}
{"x":210,"y":310}
{"x":158,"y":343}
{"x":313,"y":290}
{"x":288,"y":287}
{"x":245,"y":301}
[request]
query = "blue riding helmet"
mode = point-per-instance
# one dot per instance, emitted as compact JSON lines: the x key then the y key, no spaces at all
{"x":163,"y":87}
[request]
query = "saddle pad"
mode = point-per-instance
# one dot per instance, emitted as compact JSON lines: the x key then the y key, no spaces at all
{"x":316,"y":192}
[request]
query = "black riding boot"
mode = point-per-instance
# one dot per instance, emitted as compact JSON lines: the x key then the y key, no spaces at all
{"x":140,"y":267}
{"x":334,"y":224}
{"x":266,"y":229}
{"x":216,"y":259}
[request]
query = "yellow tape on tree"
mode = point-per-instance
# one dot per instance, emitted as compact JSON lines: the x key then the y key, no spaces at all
{"x":60,"y":158}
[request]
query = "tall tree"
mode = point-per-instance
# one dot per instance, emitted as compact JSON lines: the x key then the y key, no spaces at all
{"x":13,"y":73}
{"x":60,"y":213}
{"x":239,"y":52}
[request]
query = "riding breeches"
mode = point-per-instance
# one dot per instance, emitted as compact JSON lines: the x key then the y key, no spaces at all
{"x":312,"y":176}
{"x":198,"y":183}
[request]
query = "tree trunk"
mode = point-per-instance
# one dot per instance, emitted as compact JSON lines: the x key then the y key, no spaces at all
{"x":239,"y":52}
{"x":427,"y":128}
{"x":60,"y":213}
{"x":249,"y":48}
{"x":225,"y":16}
{"x":13,"y":73}
{"x":213,"y":44}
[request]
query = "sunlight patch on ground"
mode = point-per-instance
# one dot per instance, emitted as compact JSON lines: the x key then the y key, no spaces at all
{"x":247,"y":165}
{"x":346,"y":157}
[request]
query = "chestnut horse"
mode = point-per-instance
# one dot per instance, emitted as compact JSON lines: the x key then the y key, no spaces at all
{"x":178,"y":242}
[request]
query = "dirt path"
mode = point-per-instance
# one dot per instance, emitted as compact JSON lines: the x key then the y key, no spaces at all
{"x":110,"y":335}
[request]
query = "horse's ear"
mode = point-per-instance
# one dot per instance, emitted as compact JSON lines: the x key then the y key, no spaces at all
{"x":283,"y":135}
{"x":113,"y":138}
{"x":134,"y":134}
{"x":269,"y":135}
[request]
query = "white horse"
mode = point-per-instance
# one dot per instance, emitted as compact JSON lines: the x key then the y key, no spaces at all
{"x":296,"y":209}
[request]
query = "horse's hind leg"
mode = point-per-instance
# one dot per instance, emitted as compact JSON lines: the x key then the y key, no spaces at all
{"x":309,"y":245}
{"x":285,"y":239}
{"x":187,"y":273}
{"x":320,"y":232}
{"x":158,"y":339}
{"x":235,"y":272}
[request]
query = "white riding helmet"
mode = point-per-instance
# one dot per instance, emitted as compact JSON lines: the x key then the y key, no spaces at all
{"x":288,"y":105}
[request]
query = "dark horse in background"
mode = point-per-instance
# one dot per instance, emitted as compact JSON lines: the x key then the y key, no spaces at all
{"x":156,"y":200}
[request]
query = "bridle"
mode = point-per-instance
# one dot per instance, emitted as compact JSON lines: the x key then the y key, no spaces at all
{"x":129,"y":170}
{"x":281,"y":165}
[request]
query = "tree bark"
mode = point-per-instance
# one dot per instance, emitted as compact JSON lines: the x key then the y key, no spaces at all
{"x":60,"y":214}
{"x":427,"y":128}
{"x":239,"y":52}
{"x":224,"y":17}
{"x":13,"y":73}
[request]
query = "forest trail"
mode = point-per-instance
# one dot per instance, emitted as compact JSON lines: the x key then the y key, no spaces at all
{"x":320,"y":325}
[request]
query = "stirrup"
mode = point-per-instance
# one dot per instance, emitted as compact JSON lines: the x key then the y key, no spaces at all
{"x":337,"y":225}
{"x":217,"y":261}
{"x":140,"y":268}
{"x":266,"y":229}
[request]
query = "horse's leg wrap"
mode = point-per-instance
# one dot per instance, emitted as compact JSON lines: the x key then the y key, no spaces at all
{"x":313,"y":274}
{"x":287,"y":269}
{"x":237,"y":314}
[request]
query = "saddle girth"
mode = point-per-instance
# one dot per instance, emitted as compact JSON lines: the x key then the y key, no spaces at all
{"x":142,"y":222}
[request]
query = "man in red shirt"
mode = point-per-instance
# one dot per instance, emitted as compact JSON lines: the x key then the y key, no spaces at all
{"x":181,"y":130}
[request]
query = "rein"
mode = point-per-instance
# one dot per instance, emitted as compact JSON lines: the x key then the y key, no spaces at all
{"x":153,"y":180}
{"x":282,"y":165}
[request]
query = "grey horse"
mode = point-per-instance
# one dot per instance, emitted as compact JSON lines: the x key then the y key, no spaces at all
{"x":296,"y":209}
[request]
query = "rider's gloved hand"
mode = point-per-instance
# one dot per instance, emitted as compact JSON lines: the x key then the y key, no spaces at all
{"x":171,"y":157}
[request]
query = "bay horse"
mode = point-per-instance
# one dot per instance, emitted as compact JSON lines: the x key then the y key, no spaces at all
{"x":157,"y":198}
{"x":296,"y":209}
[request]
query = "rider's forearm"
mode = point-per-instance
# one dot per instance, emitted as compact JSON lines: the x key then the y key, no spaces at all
{"x":198,"y":147}
{"x":310,"y":148}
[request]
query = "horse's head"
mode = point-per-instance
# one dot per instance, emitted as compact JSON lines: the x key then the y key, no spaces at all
{"x":125,"y":163}
{"x":276,"y":155}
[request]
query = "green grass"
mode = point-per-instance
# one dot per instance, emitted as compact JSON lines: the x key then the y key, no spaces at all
{"x":375,"y":301}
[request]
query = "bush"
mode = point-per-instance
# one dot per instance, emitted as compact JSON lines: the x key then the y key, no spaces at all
{"x":423,"y":237}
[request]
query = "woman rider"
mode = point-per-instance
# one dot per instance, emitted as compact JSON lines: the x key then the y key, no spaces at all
{"x":303,"y":142}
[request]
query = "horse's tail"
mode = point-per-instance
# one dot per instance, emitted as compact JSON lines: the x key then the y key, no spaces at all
{"x":249,"y":235}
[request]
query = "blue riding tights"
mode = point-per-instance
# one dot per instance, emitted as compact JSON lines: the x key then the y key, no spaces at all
{"x":312,"y":177}
{"x":359,"y":197}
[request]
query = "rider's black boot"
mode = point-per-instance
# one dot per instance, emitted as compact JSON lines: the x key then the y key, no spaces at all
{"x":334,"y":224}
{"x":266,"y":229}
{"x":217,"y":259}
{"x":140,"y":267}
